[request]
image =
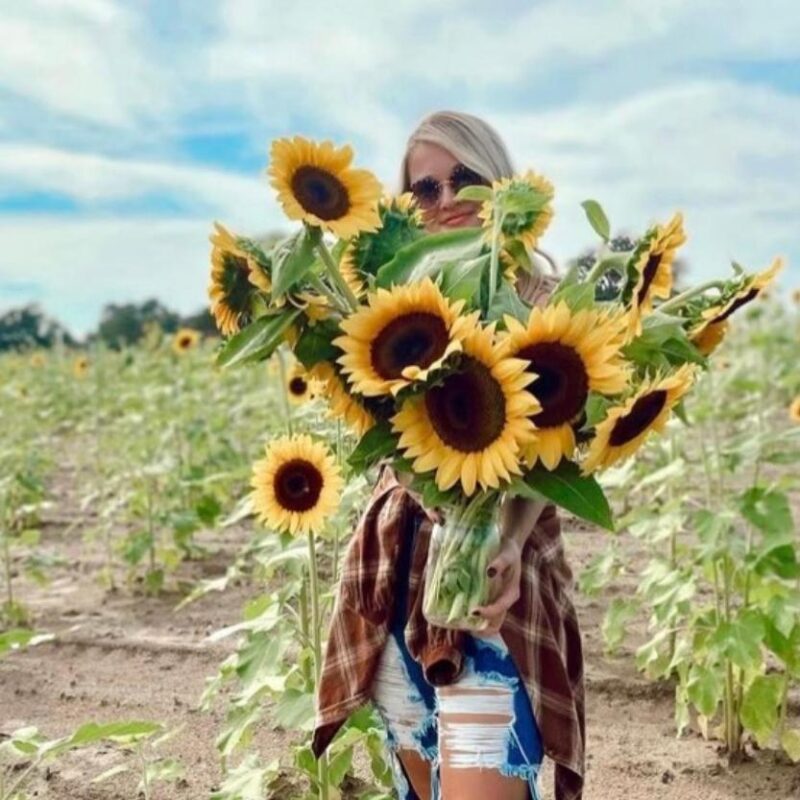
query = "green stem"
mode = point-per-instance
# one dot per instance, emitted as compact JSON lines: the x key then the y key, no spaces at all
{"x":602,"y":266}
{"x":495,"y":257}
{"x":287,"y":408}
{"x":333,"y":271}
{"x":7,"y":561}
{"x":784,"y":705}
{"x":150,"y":527}
{"x":145,"y":779}
{"x":316,"y":624}
{"x":333,"y":298}
{"x":307,"y":677}
{"x":681,"y":299}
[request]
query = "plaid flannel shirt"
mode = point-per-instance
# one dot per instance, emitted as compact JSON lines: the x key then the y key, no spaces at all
{"x":540,"y":629}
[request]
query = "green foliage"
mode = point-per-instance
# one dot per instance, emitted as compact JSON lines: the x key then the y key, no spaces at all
{"x":597,"y":218}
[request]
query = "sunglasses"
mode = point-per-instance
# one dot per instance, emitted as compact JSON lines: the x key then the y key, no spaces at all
{"x":428,"y":190}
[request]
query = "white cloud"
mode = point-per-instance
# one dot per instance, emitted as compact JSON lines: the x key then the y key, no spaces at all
{"x":85,"y":59}
{"x":84,"y":264}
{"x":726,"y":155}
{"x":95,"y":179}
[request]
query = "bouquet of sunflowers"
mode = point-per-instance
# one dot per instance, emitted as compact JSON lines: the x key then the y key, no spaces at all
{"x":426,"y":351}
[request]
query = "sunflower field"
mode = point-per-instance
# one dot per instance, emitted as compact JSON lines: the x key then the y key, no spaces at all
{"x":173,"y":516}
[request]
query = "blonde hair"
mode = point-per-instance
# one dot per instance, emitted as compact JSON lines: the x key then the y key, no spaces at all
{"x":476,"y":144}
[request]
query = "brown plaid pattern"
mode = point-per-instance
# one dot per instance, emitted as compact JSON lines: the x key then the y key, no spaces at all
{"x":540,"y":629}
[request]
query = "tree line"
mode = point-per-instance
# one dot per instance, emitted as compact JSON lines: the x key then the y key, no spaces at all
{"x":121,"y":325}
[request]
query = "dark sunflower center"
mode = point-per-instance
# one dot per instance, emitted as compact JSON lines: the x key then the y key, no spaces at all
{"x":638,"y":419}
{"x":235,"y":282}
{"x":298,"y":386}
{"x":298,"y":484}
{"x":185,"y":341}
{"x":320,"y":193}
{"x":648,"y":275}
{"x":415,"y":339}
{"x":468,"y":410}
{"x":738,"y":303}
{"x":562,"y":384}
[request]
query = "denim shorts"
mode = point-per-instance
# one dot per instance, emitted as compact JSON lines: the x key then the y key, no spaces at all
{"x":490,"y":685}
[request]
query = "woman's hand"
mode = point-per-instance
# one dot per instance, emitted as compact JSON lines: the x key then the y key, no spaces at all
{"x":504,"y":572}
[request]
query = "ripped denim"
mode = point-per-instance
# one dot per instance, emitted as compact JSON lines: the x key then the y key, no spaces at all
{"x":484,"y":720}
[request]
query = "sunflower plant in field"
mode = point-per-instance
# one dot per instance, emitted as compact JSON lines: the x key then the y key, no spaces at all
{"x":426,"y":350}
{"x":716,"y":513}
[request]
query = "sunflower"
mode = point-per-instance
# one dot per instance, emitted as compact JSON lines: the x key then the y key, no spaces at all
{"x":341,"y":404}
{"x":752,"y":287}
{"x":184,"y":340}
{"x":234,"y":273}
{"x":571,"y":353}
{"x":403,"y":335}
{"x":707,"y":336}
{"x":300,"y":387}
{"x":297,"y":486}
{"x":626,"y":427}
{"x":80,"y":367}
{"x":650,"y":269}
{"x":38,"y":360}
{"x":796,"y":297}
{"x":401,"y":223}
{"x":794,"y":410}
{"x":525,"y":202}
{"x":471,"y":426}
{"x":316,"y":184}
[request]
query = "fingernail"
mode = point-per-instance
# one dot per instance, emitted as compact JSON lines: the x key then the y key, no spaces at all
{"x":491,"y":572}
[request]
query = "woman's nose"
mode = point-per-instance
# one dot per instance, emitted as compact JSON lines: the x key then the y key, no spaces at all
{"x":448,"y":198}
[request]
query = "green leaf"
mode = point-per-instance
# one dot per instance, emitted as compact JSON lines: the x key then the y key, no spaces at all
{"x":19,"y":638}
{"x":475,"y":194}
{"x":247,"y":781}
{"x":315,"y":343}
{"x":507,"y":301}
{"x":619,"y":613}
{"x":577,"y":296}
{"x":291,"y":259}
{"x":740,"y":640}
{"x":461,"y":280}
{"x":759,"y":713}
{"x":295,"y":711}
{"x":596,"y":409}
{"x":429,"y":255}
{"x":208,"y":509}
{"x":376,"y":443}
{"x":769,"y":511}
{"x":258,"y":340}
{"x":790,"y":742}
{"x":127,"y":731}
{"x":579,"y":494}
{"x":339,"y":765}
{"x":597,"y":218}
{"x":704,"y":689}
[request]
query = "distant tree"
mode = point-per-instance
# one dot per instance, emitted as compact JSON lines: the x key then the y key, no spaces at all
{"x":28,"y":327}
{"x":122,"y":325}
{"x":202,"y":321}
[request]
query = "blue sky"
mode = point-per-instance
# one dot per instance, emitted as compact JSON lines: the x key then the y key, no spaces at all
{"x":127,"y":127}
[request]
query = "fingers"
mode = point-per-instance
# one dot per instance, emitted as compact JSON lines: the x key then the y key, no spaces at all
{"x":500,"y":605}
{"x":508,"y":556}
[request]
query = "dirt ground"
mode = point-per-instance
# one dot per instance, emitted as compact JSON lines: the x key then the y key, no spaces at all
{"x":119,"y":656}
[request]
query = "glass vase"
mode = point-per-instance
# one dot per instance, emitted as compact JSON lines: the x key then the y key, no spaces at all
{"x":459,"y":552}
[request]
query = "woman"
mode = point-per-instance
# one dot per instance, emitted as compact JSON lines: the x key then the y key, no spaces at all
{"x":467,"y":716}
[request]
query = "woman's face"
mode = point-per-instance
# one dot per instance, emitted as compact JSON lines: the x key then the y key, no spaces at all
{"x":428,"y":160}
